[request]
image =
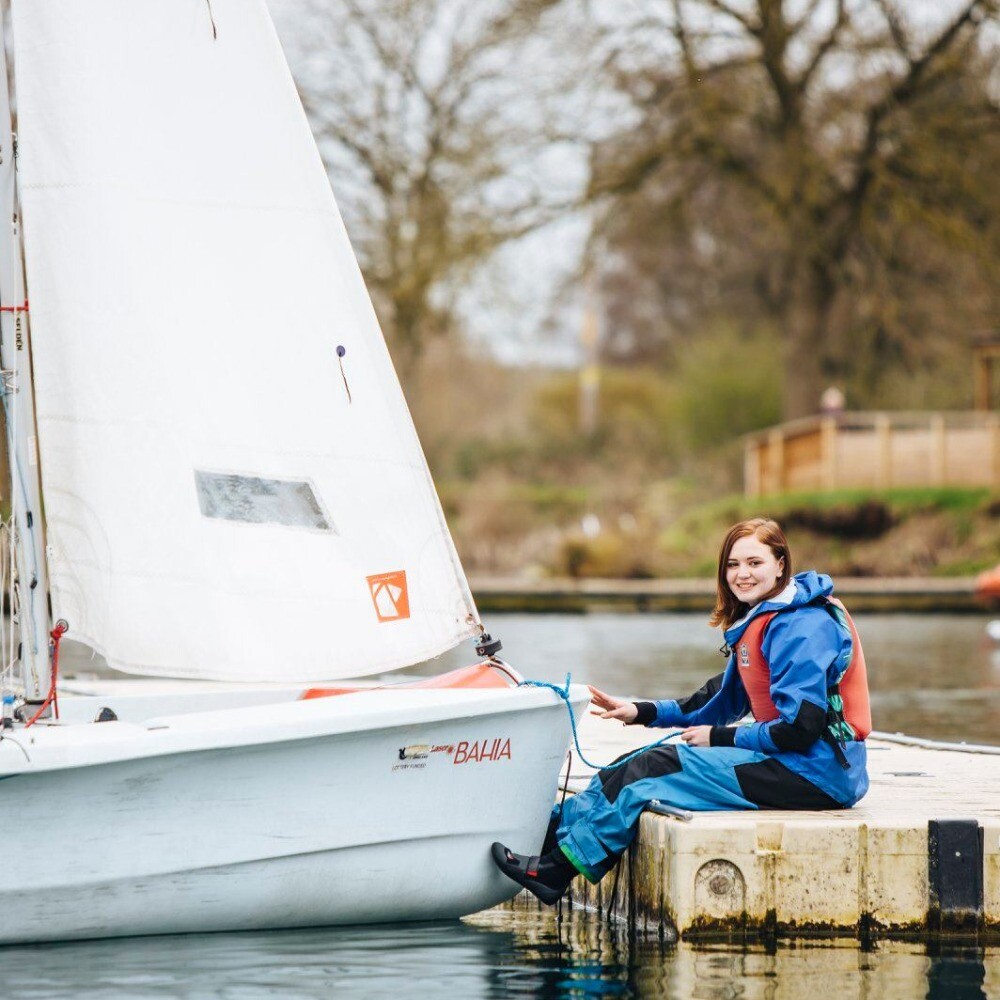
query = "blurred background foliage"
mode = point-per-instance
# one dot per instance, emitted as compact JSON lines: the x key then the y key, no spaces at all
{"x":769,"y":196}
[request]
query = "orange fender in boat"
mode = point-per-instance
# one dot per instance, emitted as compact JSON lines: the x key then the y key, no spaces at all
{"x":479,"y":675}
{"x":988,"y":583}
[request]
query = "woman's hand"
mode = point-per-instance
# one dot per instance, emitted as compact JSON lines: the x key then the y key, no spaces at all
{"x":697,"y":736}
{"x":612,"y":708}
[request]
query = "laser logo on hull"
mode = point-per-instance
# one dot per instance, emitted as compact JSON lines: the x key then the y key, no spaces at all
{"x":417,"y":756}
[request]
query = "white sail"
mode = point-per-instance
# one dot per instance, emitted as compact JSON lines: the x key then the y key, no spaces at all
{"x":225,"y":497}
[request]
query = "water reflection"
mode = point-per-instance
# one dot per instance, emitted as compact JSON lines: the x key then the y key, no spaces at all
{"x":446,"y":960}
{"x":519,"y":950}
{"x":598,"y":959}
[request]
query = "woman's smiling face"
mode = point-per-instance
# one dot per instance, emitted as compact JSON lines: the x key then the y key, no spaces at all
{"x":752,"y":570}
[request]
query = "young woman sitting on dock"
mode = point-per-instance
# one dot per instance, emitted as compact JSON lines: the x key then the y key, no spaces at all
{"x":795,"y":664}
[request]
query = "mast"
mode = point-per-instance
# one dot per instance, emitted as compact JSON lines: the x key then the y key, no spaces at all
{"x":30,"y":576}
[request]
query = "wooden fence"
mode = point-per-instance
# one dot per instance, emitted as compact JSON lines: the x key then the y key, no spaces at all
{"x":875,"y":451}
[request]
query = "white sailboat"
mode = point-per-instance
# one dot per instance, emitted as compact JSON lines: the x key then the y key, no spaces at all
{"x":232,"y":491}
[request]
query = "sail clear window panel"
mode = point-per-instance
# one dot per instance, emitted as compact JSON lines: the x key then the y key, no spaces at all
{"x":255,"y":500}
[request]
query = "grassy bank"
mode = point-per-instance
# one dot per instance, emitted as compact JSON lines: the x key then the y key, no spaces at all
{"x":661,"y":531}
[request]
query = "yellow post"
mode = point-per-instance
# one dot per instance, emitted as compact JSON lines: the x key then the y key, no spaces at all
{"x":590,"y":369}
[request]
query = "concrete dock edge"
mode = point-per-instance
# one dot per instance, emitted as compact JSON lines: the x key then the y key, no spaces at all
{"x":918,"y":857}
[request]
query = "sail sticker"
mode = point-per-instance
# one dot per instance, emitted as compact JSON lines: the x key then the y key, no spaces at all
{"x":390,"y":596}
{"x":253,"y":500}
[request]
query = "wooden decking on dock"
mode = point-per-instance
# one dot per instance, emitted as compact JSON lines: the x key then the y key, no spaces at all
{"x":920,"y":853}
{"x":572,"y":595}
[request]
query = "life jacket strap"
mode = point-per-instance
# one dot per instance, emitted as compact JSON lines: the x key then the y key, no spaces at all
{"x":838,"y":730}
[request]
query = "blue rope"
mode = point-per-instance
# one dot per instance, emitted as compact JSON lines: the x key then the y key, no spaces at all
{"x":563,"y":693}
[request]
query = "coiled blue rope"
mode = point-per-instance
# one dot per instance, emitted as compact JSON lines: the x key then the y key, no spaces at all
{"x":563,"y":693}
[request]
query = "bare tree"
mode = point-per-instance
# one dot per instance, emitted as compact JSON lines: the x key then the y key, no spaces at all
{"x":824,"y":157}
{"x":433,"y":118}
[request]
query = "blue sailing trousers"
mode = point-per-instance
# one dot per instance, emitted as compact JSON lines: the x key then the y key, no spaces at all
{"x":597,"y":825}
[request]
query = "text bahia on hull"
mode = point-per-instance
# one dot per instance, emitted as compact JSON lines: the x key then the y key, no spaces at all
{"x":233,"y":491}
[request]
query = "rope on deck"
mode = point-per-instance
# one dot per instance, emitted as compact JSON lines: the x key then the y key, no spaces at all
{"x":918,"y":741}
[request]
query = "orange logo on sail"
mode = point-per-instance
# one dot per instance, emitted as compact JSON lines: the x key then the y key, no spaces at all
{"x":389,"y":595}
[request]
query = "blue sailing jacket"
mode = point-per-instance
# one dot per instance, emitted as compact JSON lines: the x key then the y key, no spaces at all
{"x":803,"y":646}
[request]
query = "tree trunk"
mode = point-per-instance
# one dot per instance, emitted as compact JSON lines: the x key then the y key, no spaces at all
{"x":807,"y":349}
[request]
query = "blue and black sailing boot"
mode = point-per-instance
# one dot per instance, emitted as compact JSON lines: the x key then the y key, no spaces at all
{"x":547,"y":877}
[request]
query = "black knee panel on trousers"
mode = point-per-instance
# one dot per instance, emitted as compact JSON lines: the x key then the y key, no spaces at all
{"x":651,"y":764}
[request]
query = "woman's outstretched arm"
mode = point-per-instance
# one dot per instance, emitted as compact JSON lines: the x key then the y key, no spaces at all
{"x":718,"y":701}
{"x":609,"y":707}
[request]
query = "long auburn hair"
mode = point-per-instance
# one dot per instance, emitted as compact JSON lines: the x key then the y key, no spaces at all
{"x":728,"y":607}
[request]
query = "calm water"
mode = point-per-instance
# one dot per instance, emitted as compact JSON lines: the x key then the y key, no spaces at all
{"x":521,"y":952}
{"x":931,"y":676}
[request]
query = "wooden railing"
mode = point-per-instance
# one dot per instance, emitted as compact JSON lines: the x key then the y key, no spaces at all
{"x":876,"y":451}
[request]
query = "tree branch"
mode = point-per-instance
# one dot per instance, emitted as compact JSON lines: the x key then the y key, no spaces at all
{"x":824,"y":47}
{"x":896,"y":28}
{"x":899,"y":96}
{"x":722,"y":7}
{"x":684,"y":42}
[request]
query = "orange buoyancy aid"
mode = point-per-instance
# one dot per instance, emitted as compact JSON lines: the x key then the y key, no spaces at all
{"x":756,"y":676}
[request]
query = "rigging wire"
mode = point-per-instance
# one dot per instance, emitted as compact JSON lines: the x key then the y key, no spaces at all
{"x":6,"y":644}
{"x":4,"y":665}
{"x":11,"y":623}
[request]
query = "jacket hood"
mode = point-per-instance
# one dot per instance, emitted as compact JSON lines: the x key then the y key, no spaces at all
{"x":802,"y":589}
{"x":810,"y":585}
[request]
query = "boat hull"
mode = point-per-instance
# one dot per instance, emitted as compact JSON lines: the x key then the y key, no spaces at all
{"x":389,"y":823}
